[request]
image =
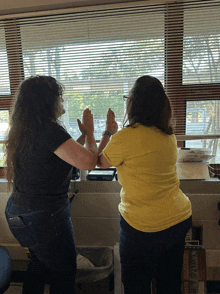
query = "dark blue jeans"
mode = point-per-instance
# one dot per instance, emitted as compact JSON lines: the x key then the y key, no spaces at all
{"x":158,"y":255}
{"x":50,"y":239}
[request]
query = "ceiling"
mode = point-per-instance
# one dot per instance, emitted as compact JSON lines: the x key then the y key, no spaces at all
{"x":8,"y":7}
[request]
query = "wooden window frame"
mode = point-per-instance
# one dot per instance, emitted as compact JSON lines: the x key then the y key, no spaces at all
{"x":177,"y":92}
{"x":15,"y":62}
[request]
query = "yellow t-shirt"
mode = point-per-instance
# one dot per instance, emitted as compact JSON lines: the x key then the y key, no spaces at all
{"x":145,"y":159}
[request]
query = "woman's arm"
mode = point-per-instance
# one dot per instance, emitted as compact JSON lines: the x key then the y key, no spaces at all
{"x":103,"y":162}
{"x":77,"y":155}
{"x":111,"y":127}
{"x":81,"y":140}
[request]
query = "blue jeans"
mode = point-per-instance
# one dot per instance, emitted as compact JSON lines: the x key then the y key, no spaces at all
{"x":50,"y":239}
{"x":158,"y":255}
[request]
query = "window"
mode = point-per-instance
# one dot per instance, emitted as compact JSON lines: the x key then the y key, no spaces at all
{"x":197,"y":97}
{"x":96,"y":63}
{"x":4,"y":72}
{"x":202,"y":117}
{"x":201,"y":44}
{"x":98,"y":53}
{"x":4,"y":122}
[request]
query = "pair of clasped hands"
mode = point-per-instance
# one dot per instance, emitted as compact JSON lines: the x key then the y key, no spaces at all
{"x":87,"y":124}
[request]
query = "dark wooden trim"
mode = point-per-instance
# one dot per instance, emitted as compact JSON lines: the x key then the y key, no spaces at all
{"x":15,"y":60}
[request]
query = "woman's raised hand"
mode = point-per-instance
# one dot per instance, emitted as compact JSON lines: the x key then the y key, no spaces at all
{"x":81,"y":127}
{"x":87,"y":125}
{"x":111,"y":124}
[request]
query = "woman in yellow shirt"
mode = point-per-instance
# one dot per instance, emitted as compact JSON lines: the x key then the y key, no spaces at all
{"x":155,"y":214}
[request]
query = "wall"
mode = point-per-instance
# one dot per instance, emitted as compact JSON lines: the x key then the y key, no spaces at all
{"x":94,"y":213}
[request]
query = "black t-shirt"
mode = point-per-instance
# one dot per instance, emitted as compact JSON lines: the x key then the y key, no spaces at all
{"x":42,"y":178}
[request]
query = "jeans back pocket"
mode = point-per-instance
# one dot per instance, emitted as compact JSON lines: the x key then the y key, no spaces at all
{"x":21,"y":230}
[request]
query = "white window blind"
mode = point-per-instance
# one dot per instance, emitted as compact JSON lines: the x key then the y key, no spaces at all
{"x":4,"y":74}
{"x":201,"y":43}
{"x":98,"y":54}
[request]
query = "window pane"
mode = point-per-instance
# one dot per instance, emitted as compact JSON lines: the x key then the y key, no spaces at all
{"x":2,"y":155}
{"x":4,"y":72}
{"x":202,"y":117}
{"x":96,"y":65}
{"x":4,"y":123}
{"x":201,"y":53}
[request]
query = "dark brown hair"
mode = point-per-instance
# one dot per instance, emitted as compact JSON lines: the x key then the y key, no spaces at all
{"x":149,"y":105}
{"x":36,"y":104}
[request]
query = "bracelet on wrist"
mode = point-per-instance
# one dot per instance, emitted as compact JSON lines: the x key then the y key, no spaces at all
{"x":106,"y":133}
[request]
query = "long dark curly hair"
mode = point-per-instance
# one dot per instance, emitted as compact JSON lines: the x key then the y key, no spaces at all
{"x":149,"y":105}
{"x":36,"y":104}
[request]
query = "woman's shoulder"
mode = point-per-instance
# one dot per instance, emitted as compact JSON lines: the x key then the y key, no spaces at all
{"x":54,"y":129}
{"x":53,"y":125}
{"x":142,"y":130}
{"x":131,"y":130}
{"x":123,"y":132}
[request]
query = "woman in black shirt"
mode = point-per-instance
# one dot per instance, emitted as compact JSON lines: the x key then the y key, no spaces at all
{"x":39,"y":157}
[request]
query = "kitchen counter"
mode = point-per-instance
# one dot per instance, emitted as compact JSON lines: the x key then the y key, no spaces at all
{"x":210,"y":186}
